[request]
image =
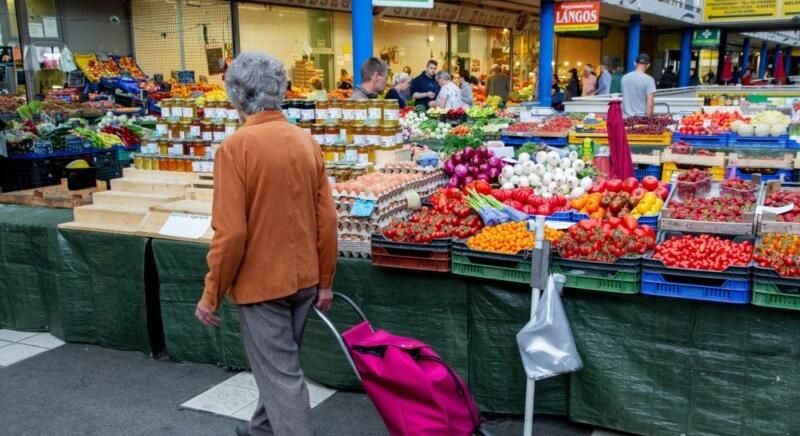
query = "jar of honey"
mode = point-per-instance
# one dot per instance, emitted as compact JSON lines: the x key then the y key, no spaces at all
{"x":186,"y":129}
{"x":199,"y":148}
{"x":374,"y":135}
{"x":398,"y":135}
{"x":163,"y":147}
{"x":209,"y":109}
{"x":305,"y":125}
{"x":335,"y":110}
{"x":359,"y":134}
{"x":321,"y":111}
{"x":391,"y":111}
{"x":194,"y":128}
{"x":176,"y":147}
{"x":351,"y":153}
{"x":166,"y":107}
{"x":230,"y":127}
{"x":188,"y":165}
{"x":218,"y":132}
{"x":360,"y":111}
{"x":295,"y":110}
{"x":206,"y":131}
{"x":371,"y":149}
{"x":329,"y":153}
{"x":375,"y":110}
{"x":318,"y":133}
{"x":174,"y":130}
{"x":162,"y":127}
{"x":308,"y":111}
{"x":340,"y":149}
{"x":387,"y":137}
{"x":137,"y":161}
{"x":188,"y":147}
{"x":176,"y":113}
{"x":348,"y":110}
{"x":363,"y":153}
{"x":331,"y":134}
{"x":189,"y":110}
{"x":232,"y":113}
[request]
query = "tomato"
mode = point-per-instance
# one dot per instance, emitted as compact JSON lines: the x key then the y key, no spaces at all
{"x":650,"y":183}
{"x":630,"y":184}
{"x":614,"y":185}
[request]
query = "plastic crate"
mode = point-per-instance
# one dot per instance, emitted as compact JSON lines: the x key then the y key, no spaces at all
{"x":668,"y":169}
{"x":736,"y":141}
{"x":711,"y":141}
{"x":769,"y":275}
{"x":796,"y":175}
{"x":126,"y":153}
{"x":793,"y":143}
{"x":520,"y":140}
{"x":776,"y":295}
{"x":493,"y":266}
{"x":642,"y":171}
{"x":578,"y":216}
{"x":560,"y":216}
{"x":402,"y":255}
{"x":593,"y":276}
{"x":710,"y":287}
{"x":767,"y":174}
{"x":31,"y":171}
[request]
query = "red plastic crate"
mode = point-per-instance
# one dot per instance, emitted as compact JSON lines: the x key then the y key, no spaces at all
{"x":436,"y":261}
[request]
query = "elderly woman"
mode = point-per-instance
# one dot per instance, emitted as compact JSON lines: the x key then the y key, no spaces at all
{"x":274,"y":246}
{"x":402,"y":83}
{"x":449,"y":95}
{"x":466,"y":87}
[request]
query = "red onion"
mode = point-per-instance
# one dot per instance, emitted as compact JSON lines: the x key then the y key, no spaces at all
{"x":460,"y":171}
{"x":469,"y":152}
{"x":453,"y":182}
{"x":468,"y":180}
{"x":449,"y":167}
{"x":484,"y":168}
{"x":483,"y":177}
{"x":475,"y":161}
{"x":457,"y":158}
{"x":494,"y":162}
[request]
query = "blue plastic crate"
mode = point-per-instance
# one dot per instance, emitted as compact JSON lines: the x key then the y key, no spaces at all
{"x":560,"y":216}
{"x":642,"y":171}
{"x":651,"y":221}
{"x":736,"y":141}
{"x":793,"y":144}
{"x":712,"y":288}
{"x":785,"y":175}
{"x":577,"y":216}
{"x":796,"y":176}
{"x":716,"y":141}
{"x":520,"y":140}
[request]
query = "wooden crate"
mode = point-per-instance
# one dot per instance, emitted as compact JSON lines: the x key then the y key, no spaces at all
{"x":769,"y":221}
{"x":717,"y":160}
{"x":785,"y":162}
{"x":654,"y":158}
{"x":57,"y":196}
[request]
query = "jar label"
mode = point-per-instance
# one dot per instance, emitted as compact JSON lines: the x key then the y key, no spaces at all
{"x":373,"y":140}
{"x":176,"y":149}
{"x":363,"y":157}
{"x":387,"y":141}
{"x":208,"y":136}
{"x":348,"y":114}
{"x":360,"y":115}
{"x":331,"y":138}
{"x":165,"y":112}
{"x":182,"y":134}
{"x":188,"y":112}
{"x":294,"y":113}
{"x":359,"y":139}
{"x":322,"y":114}
{"x":391,"y":114}
{"x":351,"y":155}
{"x":229,"y":129}
{"x":161,"y":129}
{"x":285,"y":113}
{"x":194,"y":131}
{"x":374,"y":113}
{"x":320,"y":139}
{"x":218,"y":136}
{"x":334,"y":113}
{"x":308,"y":114}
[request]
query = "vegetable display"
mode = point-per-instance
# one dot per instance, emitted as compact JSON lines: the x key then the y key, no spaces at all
{"x":648,"y":125}
{"x":694,"y":182}
{"x":493,"y":212}
{"x":779,"y":252}
{"x":702,"y":123}
{"x":619,"y":198}
{"x":508,"y":238}
{"x":428,"y":224}
{"x":548,"y":173}
{"x":765,"y":123}
{"x":471,"y":164}
{"x":525,"y":200}
{"x":606,"y":241}
{"x":703,"y":252}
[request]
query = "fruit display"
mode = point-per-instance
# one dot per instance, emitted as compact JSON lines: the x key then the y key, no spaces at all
{"x":725,"y":208}
{"x":480,"y":111}
{"x":648,"y":125}
{"x":694,"y":182}
{"x":549,"y":173}
{"x":471,"y":164}
{"x":507,"y":238}
{"x":765,"y":123}
{"x":429,"y":224}
{"x":417,"y":126}
{"x":703,"y":252}
{"x":557,"y":125}
{"x":738,"y":187}
{"x":493,"y":101}
{"x":620,"y":198}
{"x":703,"y":123}
{"x":779,"y":252}
{"x":784,"y":197}
{"x":436,"y":112}
{"x":527,"y":201}
{"x":606,"y":241}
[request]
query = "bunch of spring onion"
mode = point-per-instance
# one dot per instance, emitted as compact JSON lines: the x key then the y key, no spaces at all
{"x":491,"y":211}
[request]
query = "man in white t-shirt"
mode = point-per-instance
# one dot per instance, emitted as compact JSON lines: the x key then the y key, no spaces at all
{"x":638,"y":89}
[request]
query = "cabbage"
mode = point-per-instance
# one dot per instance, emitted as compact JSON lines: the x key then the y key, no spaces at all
{"x":761,"y":130}
{"x":745,"y":130}
{"x":778,"y":130}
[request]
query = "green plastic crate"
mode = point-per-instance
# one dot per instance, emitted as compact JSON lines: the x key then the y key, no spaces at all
{"x":491,"y":266}
{"x":769,"y":295}
{"x":619,"y":282}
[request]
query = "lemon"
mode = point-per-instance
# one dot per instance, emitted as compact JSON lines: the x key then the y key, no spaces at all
{"x":78,"y":164}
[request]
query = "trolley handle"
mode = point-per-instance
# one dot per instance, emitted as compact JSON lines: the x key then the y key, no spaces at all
{"x":335,"y":332}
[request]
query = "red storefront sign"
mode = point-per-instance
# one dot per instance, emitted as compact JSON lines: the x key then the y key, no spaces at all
{"x":577,"y":16}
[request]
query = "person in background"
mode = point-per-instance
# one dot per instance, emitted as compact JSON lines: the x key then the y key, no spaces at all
{"x":737,"y":75}
{"x":274,"y":266}
{"x":466,"y":87}
{"x":556,"y":95}
{"x":424,"y":87}
{"x":604,"y":81}
{"x":638,"y":89}
{"x":449,"y":94}
{"x":747,"y":77}
{"x":616,"y":80}
{"x":668,"y":79}
{"x":407,"y":70}
{"x":498,"y":83}
{"x":588,"y":82}
{"x":694,"y":79}
{"x":373,"y":79}
{"x":402,"y":82}
{"x":573,"y":86}
{"x":319,"y":93}
{"x":345,"y":79}
{"x":710,"y":78}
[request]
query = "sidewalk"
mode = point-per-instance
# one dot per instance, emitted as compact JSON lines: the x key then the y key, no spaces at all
{"x":76,"y":389}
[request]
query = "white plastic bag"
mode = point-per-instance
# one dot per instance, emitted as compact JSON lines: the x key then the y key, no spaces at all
{"x":66,"y":62}
{"x":545,"y":343}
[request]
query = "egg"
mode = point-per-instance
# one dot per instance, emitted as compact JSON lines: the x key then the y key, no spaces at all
{"x":524,"y":157}
{"x":523,"y":182}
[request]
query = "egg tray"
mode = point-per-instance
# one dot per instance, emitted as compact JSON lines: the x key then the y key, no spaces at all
{"x":377,"y":215}
{"x":356,"y":249}
{"x":769,"y":221}
{"x":422,"y":184}
{"x":365,"y":227}
{"x":414,"y":170}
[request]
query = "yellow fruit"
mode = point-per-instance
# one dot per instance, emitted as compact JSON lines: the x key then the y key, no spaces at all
{"x":78,"y":164}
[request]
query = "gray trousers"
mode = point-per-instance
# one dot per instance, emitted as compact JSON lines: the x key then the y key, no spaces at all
{"x":272,"y":332}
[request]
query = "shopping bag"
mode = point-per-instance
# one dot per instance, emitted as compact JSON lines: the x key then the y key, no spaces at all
{"x":545,"y":343}
{"x":66,"y":62}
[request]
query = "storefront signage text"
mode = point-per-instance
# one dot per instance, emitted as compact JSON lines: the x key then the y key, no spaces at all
{"x":705,"y":38}
{"x":485,"y":17}
{"x":333,"y":5}
{"x":716,"y":11}
{"x":577,"y":16}
{"x":439,"y":12}
{"x":404,"y":3}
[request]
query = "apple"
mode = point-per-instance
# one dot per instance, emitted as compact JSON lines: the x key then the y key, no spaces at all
{"x":614,"y":185}
{"x":637,"y":195}
{"x":650,"y":183}
{"x":629,"y":184}
{"x":662,"y":192}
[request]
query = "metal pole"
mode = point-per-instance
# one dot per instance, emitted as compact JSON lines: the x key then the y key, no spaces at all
{"x":634,"y":34}
{"x":547,"y":21}
{"x":235,"y":36}
{"x":684,"y":69}
{"x":179,"y":22}
{"x":25,"y":44}
{"x":530,"y":386}
{"x":362,"y":37}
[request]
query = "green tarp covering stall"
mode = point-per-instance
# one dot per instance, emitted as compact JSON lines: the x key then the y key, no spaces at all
{"x":651,"y":365}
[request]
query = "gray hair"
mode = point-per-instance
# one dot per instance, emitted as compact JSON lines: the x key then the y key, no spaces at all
{"x":443,"y":75}
{"x":401,"y":78}
{"x":255,"y":82}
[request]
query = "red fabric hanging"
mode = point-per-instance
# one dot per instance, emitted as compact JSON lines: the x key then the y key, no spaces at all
{"x":621,"y":162}
{"x":727,"y":70}
{"x":780,"y":71}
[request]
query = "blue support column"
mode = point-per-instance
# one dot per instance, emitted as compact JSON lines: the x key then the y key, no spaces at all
{"x":686,"y":57}
{"x":362,"y":37}
{"x":634,"y":34}
{"x":547,"y":20}
{"x":762,"y":61}
{"x":744,"y":62}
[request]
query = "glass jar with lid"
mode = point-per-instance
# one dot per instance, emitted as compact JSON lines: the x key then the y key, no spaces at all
{"x":188,"y":164}
{"x":186,"y":129}
{"x":363,"y":153}
{"x":295,"y":110}
{"x":207,"y":131}
{"x":210,"y":109}
{"x":387,"y":137}
{"x":176,"y":113}
{"x":359,"y":134}
{"x":351,"y":153}
{"x":163,"y":147}
{"x":398,"y":136}
{"x":375,"y":110}
{"x":194,"y":128}
{"x":230,"y":127}
{"x":335,"y":110}
{"x":360,"y":110}
{"x":374,"y":135}
{"x":306,"y":126}
{"x":174,"y":129}
{"x":166,"y":107}
{"x":348,"y":110}
{"x":162,"y":127}
{"x":321,"y":111}
{"x":218,"y":132}
{"x":189,"y":110}
{"x":391,"y":111}
{"x":329,"y":153}
{"x":199,"y":148}
{"x":331,"y":134}
{"x":137,"y":162}
{"x":308,"y":112}
{"x":318,"y":133}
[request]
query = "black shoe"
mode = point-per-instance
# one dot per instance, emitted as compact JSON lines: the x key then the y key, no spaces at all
{"x":243,"y":429}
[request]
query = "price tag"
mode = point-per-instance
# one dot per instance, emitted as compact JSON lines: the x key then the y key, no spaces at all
{"x":706,"y":123}
{"x":362,"y":207}
{"x":183,"y":225}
